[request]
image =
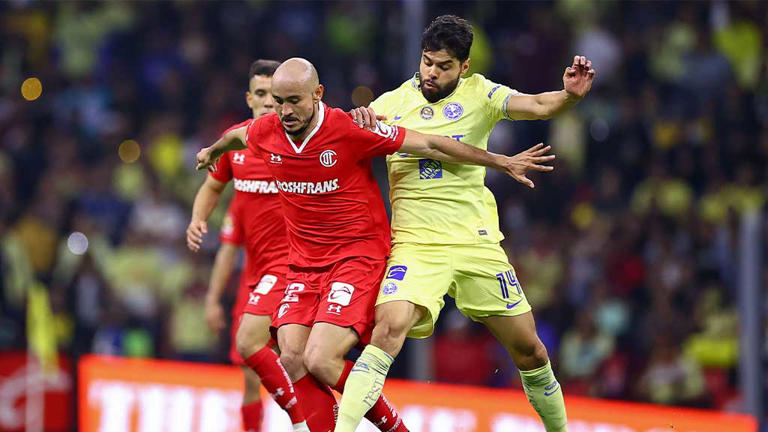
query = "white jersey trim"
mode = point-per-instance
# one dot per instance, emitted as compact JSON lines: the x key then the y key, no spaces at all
{"x":320,"y":118}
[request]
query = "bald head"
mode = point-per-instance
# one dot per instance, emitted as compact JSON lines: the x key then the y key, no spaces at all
{"x":297,"y":72}
{"x":297,"y":91}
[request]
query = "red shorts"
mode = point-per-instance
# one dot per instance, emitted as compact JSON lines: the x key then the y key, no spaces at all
{"x":343,"y":294}
{"x":259,"y":299}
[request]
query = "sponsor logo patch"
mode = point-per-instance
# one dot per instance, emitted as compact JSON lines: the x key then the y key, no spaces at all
{"x":430,"y":169}
{"x":265,"y":284}
{"x":341,"y":293}
{"x":283,"y":310}
{"x":275,"y":158}
{"x":396,"y":272}
{"x":238,"y":158}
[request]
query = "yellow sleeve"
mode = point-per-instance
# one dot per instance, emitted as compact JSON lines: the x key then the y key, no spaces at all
{"x":382,"y":106}
{"x":496,"y":96}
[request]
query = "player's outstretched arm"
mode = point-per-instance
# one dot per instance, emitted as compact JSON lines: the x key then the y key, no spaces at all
{"x":232,"y":140}
{"x":449,"y":150}
{"x":205,"y":201}
{"x":577,"y":81}
{"x":533,"y":159}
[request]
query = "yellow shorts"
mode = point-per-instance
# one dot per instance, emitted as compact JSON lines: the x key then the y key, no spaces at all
{"x":479,"y":277}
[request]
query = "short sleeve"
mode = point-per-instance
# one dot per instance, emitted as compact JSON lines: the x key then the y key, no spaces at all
{"x":496,"y":97}
{"x":255,"y":133}
{"x":231,"y":228}
{"x":381,"y":105}
{"x":223,"y":171}
{"x":382,"y":141}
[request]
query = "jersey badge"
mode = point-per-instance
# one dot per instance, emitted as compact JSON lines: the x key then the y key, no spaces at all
{"x":427,"y":113}
{"x":238,"y":158}
{"x":328,"y":158}
{"x":275,"y":159}
{"x":452,"y":111}
{"x":389,"y":289}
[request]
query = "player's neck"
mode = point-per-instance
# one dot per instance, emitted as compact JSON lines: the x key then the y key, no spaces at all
{"x":310,"y":127}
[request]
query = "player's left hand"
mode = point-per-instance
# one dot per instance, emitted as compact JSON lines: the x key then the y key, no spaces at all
{"x":533,"y":159}
{"x":577,"y":79}
{"x":206,"y":160}
{"x":365,"y":117}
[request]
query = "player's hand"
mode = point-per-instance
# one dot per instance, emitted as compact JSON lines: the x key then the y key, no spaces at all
{"x":205,"y":159}
{"x":214,"y":315}
{"x":577,"y":79}
{"x":533,"y":159}
{"x":195,"y":232}
{"x":365,"y":117}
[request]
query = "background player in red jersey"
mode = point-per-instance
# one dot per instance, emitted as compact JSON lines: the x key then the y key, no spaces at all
{"x":338,"y":231}
{"x":254,"y":220}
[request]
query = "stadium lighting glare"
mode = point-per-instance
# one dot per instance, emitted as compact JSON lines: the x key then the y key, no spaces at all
{"x":31,"y":89}
{"x":129,"y":151}
{"x":77,"y":243}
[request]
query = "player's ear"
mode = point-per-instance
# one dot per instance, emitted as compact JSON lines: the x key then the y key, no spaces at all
{"x":464,"y":66}
{"x":318,"y":94}
{"x":249,"y":99}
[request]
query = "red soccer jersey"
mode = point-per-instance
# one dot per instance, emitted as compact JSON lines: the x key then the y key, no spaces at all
{"x":330,"y":198}
{"x":255,"y":217}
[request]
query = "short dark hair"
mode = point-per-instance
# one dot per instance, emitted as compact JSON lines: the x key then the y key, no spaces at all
{"x":450,"y":33}
{"x":263,"y":67}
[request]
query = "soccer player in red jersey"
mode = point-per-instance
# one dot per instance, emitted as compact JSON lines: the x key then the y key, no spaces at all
{"x":254,"y":220}
{"x":338,"y":232}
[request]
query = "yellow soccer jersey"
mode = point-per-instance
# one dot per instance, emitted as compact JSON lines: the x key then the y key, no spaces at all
{"x":436,"y":202}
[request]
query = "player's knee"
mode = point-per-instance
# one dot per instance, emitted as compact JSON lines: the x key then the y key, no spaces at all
{"x":247,"y":341}
{"x":318,"y":361}
{"x":531,"y":355}
{"x":292,"y":359}
{"x":390,"y":332}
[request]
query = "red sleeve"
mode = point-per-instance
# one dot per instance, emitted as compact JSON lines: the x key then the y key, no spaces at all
{"x":383,"y":141}
{"x":231,"y":228}
{"x":224,"y":165}
{"x":223,"y":171}
{"x":255,"y":132}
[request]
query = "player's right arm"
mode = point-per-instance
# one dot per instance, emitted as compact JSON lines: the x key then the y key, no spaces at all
{"x":205,"y":201}
{"x":234,"y":139}
{"x":450,"y":150}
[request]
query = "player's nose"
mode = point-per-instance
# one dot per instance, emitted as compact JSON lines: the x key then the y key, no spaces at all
{"x":269,"y":101}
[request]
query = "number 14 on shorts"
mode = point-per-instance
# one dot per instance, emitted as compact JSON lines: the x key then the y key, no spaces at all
{"x":506,"y":280}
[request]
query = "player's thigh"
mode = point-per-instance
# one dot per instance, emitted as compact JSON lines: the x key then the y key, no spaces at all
{"x":486,"y":284}
{"x":253,"y":333}
{"x":419,"y":275}
{"x":329,"y":341}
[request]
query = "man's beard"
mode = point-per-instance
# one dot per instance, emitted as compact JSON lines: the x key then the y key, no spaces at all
{"x":302,"y":129}
{"x":439,"y":93}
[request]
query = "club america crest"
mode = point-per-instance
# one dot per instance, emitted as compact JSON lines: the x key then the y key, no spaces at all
{"x":452,"y":111}
{"x":427,"y":113}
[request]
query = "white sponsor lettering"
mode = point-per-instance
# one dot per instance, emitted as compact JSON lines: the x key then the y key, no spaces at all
{"x":309,"y":188}
{"x":256,"y":186}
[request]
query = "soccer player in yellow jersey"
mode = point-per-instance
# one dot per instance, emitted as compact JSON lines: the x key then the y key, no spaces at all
{"x":445,"y":224}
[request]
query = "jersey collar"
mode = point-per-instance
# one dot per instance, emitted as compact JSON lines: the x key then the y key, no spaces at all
{"x":416,"y":81}
{"x":320,"y":118}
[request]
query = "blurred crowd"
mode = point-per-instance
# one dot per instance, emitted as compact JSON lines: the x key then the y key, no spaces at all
{"x":628,"y":251}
